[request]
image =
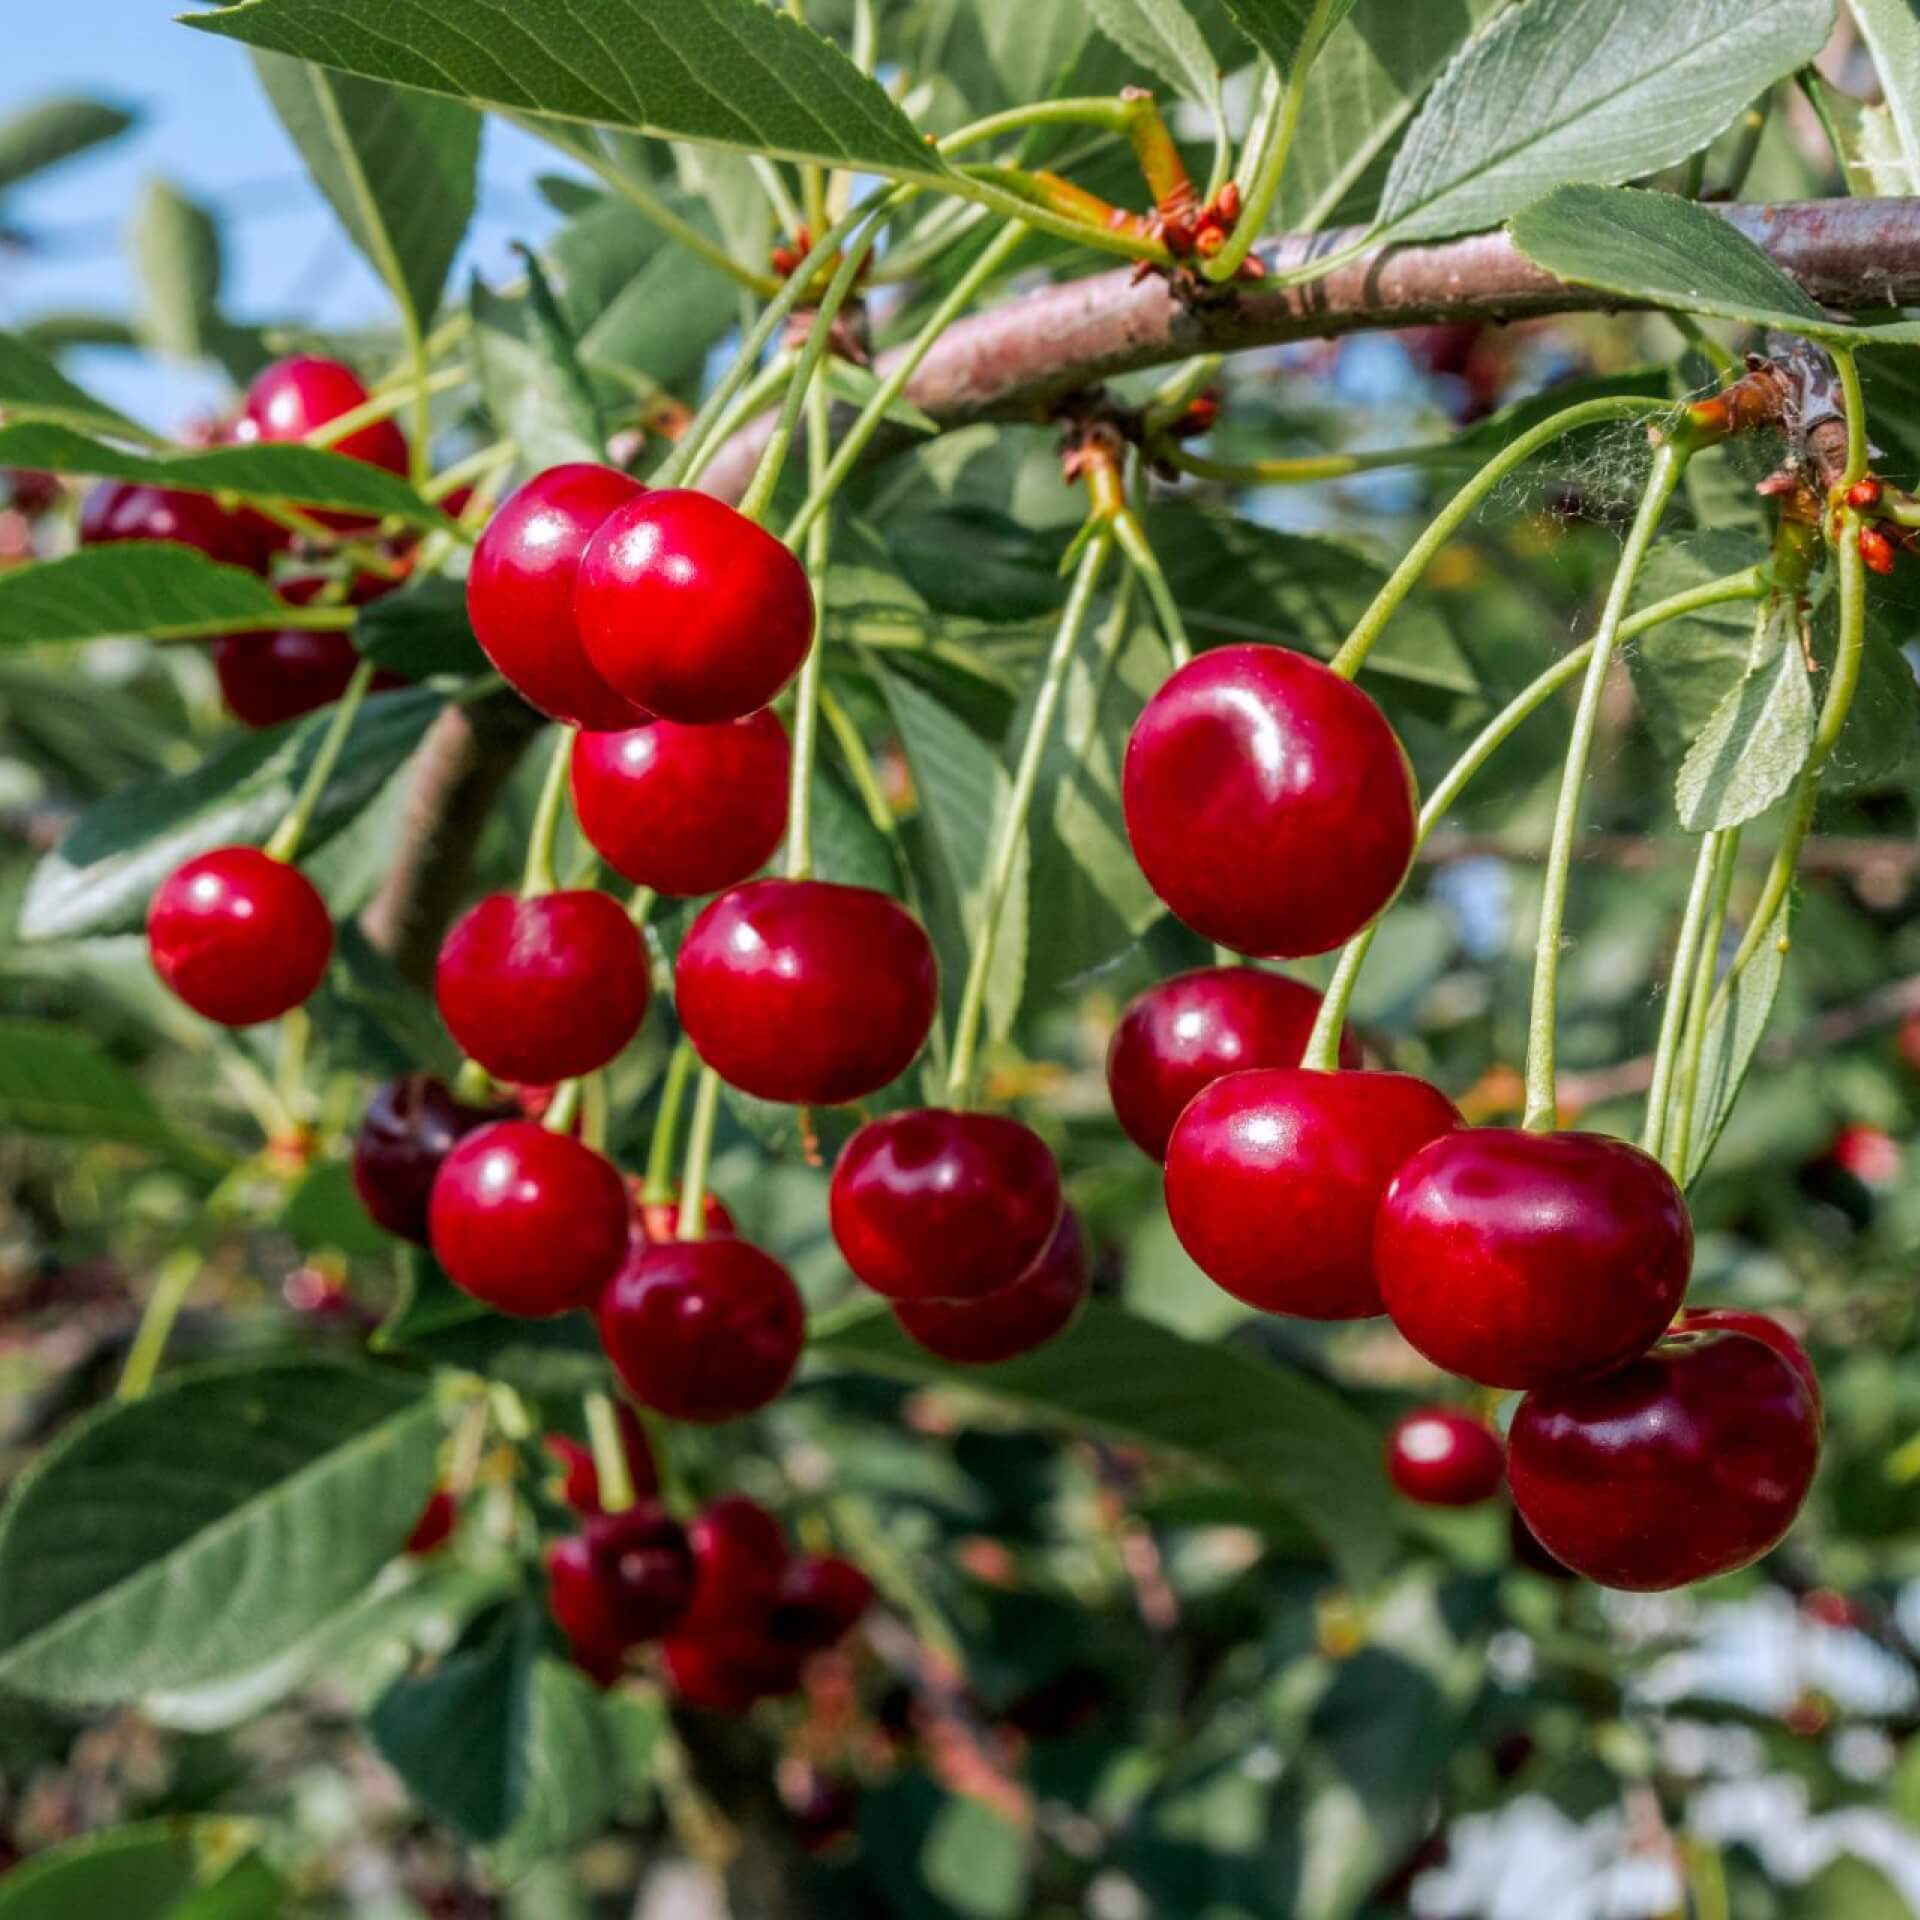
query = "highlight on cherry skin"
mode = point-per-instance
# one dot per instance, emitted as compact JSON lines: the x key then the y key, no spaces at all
{"x":1444,"y":1457}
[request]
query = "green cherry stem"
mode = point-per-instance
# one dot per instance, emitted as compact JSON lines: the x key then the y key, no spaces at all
{"x":806,"y":703}
{"x":658,"y":1185}
{"x":1010,"y":832}
{"x":171,"y":1285}
{"x":539,"y":876}
{"x":1677,"y":1140}
{"x":609,"y":1454}
{"x":1353,"y":651}
{"x":1145,"y":564}
{"x":287,"y":836}
{"x":1673,"y":1017}
{"x":1669,"y":463}
{"x":564,"y":1108}
{"x":1859,"y":453}
{"x":692,"y":1223}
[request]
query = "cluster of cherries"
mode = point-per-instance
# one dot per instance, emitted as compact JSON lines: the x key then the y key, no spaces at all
{"x":1272,"y":807}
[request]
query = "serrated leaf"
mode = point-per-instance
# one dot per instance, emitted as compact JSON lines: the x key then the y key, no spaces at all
{"x":730,"y":72}
{"x":33,"y":388}
{"x":280,"y":472}
{"x":1124,"y":1377}
{"x":153,"y":587}
{"x":1733,"y":1035}
{"x":50,"y":131}
{"x":421,"y":631}
{"x":1662,"y":249}
{"x":1160,"y":34}
{"x":172,"y":1869}
{"x":1757,"y":739}
{"x":103,"y":873}
{"x":397,"y":167}
{"x":1561,"y":90}
{"x":197,"y":1532}
{"x":1683,"y":670}
{"x":1287,"y":31}
{"x":532,"y":381}
{"x":1891,"y":29}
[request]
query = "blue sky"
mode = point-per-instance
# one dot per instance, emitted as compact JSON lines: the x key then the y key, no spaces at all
{"x":206,"y":127}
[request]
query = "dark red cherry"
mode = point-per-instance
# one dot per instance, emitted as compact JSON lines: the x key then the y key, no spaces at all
{"x":269,"y":676}
{"x":434,"y":1528}
{"x":703,"y":1329}
{"x":1012,"y":1320}
{"x":624,"y":1578}
{"x":1274,"y":1177}
{"x":938,"y":1205}
{"x":821,"y":1599}
{"x":1689,"y":1461}
{"x":292,"y":398}
{"x":540,"y":990}
{"x":239,"y":936}
{"x":740,"y":1558}
{"x":520,"y":592}
{"x":684,"y":810}
{"x":29,"y":490}
{"x":529,"y":1221}
{"x":691,"y":609}
{"x":727,"y":1675}
{"x":1269,"y":803}
{"x":409,"y":1127}
{"x":805,"y":991}
{"x":1185,"y":1033}
{"x":123,"y":510}
{"x":1516,"y":1259}
{"x":1443,"y":1457}
{"x":1759,"y":1326}
{"x":580,"y":1476}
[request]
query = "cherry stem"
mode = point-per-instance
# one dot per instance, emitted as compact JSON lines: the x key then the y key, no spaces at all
{"x":539,"y":876}
{"x":1010,"y":834}
{"x":609,"y":1454}
{"x":287,"y":836}
{"x":859,"y":762}
{"x":1288,"y":473}
{"x":692,"y":1223}
{"x":1673,"y":1017}
{"x":825,"y":485}
{"x":1354,"y":649}
{"x":1859,"y":454}
{"x":563,"y":1107}
{"x":1750,"y":583}
{"x":1669,"y":463}
{"x":593,"y":1111}
{"x":171,"y":1286}
{"x":384,"y":403}
{"x":806,"y":703}
{"x":657,"y":1188}
{"x":1678,"y":1141}
{"x":1145,"y":565}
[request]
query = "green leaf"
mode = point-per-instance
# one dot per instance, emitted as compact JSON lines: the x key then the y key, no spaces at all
{"x":730,"y":72}
{"x":421,"y":631}
{"x":532,"y":380}
{"x":1684,"y":669}
{"x":55,"y":1080}
{"x":50,"y":131}
{"x":1757,"y":739}
{"x":1848,"y":1888}
{"x":33,"y":388}
{"x":1891,"y":29}
{"x":1560,"y":90}
{"x":1660,"y":248}
{"x":153,"y":587}
{"x":197,"y":1532}
{"x":176,"y":251}
{"x":1288,"y":32}
{"x":1732,"y":1036}
{"x":1160,"y":34}
{"x":277,"y":471}
{"x":159,"y":1870}
{"x":324,"y":1212}
{"x":103,"y":873}
{"x":507,"y":1744}
{"x":1126,"y":1378}
{"x":397,"y":167}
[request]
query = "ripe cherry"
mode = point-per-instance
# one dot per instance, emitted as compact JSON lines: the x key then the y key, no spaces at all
{"x":691,"y":609}
{"x":1274,"y":1177}
{"x":1757,"y":1326}
{"x":1443,"y":1457}
{"x":409,"y":1127}
{"x":1269,"y":803}
{"x":123,"y":510}
{"x":806,"y":991}
{"x":1689,"y":1461}
{"x":239,"y":936}
{"x":821,"y":1599}
{"x":270,"y":676}
{"x":684,"y":810}
{"x":529,"y":1221}
{"x":703,"y":1329}
{"x":937,"y":1205}
{"x":520,"y":592}
{"x":728,"y":1674}
{"x":740,"y":1558}
{"x":1185,"y":1033}
{"x":1516,"y":1259}
{"x":542,"y":989}
{"x":624,"y":1578}
{"x":1012,"y":1320}
{"x":580,"y":1476}
{"x":292,"y":398}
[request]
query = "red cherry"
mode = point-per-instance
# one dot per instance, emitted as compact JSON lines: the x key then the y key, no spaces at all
{"x":1517,"y":1259}
{"x":543,"y":989}
{"x":292,"y":398}
{"x":660,"y":1219}
{"x":123,"y":510}
{"x":690,"y":608}
{"x":520,"y":592}
{"x":821,"y":1599}
{"x":529,"y":1221}
{"x":239,"y":936}
{"x":740,"y":1557}
{"x":1012,"y":1320}
{"x":434,"y":1528}
{"x":1689,"y":1461}
{"x":728,"y":1675}
{"x":805,"y":991}
{"x":1870,"y":1154}
{"x":580,"y":1476}
{"x":938,"y":1205}
{"x":1274,"y":1177}
{"x":1757,"y":1326}
{"x":684,"y":810}
{"x":1269,"y":803}
{"x":409,"y":1127}
{"x":269,"y":676}
{"x":1185,"y":1033}
{"x":29,"y":490}
{"x":624,"y":1578}
{"x":1442,"y":1457}
{"x":703,"y":1329}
